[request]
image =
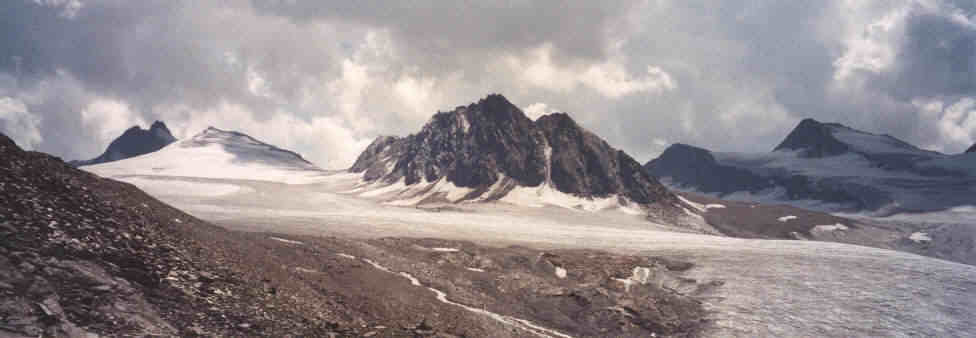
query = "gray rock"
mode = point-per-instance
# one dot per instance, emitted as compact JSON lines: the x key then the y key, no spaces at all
{"x":474,"y":146}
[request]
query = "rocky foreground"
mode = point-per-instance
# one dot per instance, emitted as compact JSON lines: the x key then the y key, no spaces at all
{"x":85,"y":255}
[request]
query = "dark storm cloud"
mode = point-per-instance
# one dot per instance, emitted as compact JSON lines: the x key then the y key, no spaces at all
{"x":442,"y":28}
{"x":938,"y":58}
{"x":324,"y":77}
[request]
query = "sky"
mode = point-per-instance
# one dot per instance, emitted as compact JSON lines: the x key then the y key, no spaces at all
{"x":324,"y":78}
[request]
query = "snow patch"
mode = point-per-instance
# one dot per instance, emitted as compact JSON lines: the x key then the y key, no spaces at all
{"x":714,"y":206}
{"x":346,"y":255}
{"x":543,"y":195}
{"x":920,"y":237}
{"x":828,"y":228}
{"x":475,"y":269}
{"x":385,"y":189}
{"x":560,"y":272}
{"x":698,"y":206}
{"x":445,"y":249}
{"x":285,"y":240}
{"x":413,"y":280}
{"x":787,"y":218}
{"x":640,"y":275}
{"x":871,"y":143}
{"x":420,"y":191}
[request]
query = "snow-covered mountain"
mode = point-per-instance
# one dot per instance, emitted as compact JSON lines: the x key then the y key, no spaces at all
{"x":215,"y":153}
{"x":490,"y":150}
{"x":133,"y":142}
{"x":827,"y":166}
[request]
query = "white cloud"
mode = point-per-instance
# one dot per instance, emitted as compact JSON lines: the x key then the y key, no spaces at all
{"x":870,"y":46}
{"x":256,"y":84}
{"x":536,"y":110}
{"x":69,"y":8}
{"x":323,"y":140}
{"x":956,"y":123}
{"x":19,"y":123}
{"x":108,"y":118}
{"x":609,"y":78}
{"x":417,"y":96}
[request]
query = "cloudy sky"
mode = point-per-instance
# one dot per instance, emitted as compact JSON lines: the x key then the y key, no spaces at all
{"x":325,"y":77}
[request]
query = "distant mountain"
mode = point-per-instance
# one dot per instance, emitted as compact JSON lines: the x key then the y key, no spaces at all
{"x":826,"y":166}
{"x":216,"y":153}
{"x":971,"y":149}
{"x":133,"y":142}
{"x":490,"y":150}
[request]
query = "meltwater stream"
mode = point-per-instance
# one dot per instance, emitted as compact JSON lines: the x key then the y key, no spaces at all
{"x":442,"y":297}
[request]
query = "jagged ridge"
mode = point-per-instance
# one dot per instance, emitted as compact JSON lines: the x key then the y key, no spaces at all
{"x":474,"y":146}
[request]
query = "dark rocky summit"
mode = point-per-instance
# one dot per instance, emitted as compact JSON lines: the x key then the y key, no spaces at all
{"x":814,"y":139}
{"x":134,"y":142}
{"x":477,"y":145}
{"x":685,"y":163}
{"x":971,"y":149}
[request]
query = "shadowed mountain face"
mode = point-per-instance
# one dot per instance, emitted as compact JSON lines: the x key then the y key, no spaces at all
{"x":134,"y":142}
{"x":830,"y":163}
{"x":971,"y":149}
{"x":477,"y":145}
{"x":813,"y":139}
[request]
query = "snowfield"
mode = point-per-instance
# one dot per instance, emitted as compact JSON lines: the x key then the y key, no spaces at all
{"x":772,"y":287}
{"x":218,"y":154}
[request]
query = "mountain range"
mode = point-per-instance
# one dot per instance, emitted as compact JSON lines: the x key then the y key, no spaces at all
{"x":827,"y":166}
{"x":489,"y":150}
{"x":382,"y":249}
{"x":133,"y":142}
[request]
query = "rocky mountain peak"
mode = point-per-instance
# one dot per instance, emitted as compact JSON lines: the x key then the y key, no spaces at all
{"x":477,"y":145}
{"x":133,"y":142}
{"x":972,"y":149}
{"x":813,"y":139}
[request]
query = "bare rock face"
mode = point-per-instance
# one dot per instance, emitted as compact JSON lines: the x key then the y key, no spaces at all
{"x":474,"y":146}
{"x":971,"y":149}
{"x":813,"y":139}
{"x":133,"y":142}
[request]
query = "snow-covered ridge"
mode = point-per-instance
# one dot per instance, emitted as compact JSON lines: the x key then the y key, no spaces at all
{"x":502,"y":191}
{"x":873,"y":143}
{"x":215,"y":153}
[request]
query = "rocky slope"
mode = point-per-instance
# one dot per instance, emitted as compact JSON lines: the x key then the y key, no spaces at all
{"x":86,"y":255}
{"x":971,"y":149}
{"x":491,"y":148}
{"x":826,"y":166}
{"x":133,"y":142}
